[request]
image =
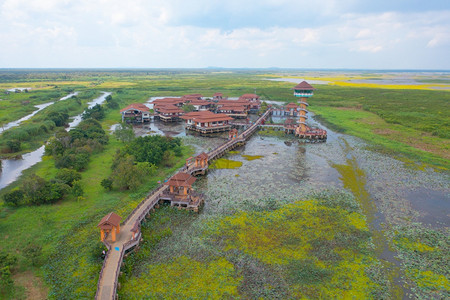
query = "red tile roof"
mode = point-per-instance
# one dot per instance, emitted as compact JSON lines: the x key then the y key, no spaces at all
{"x":168,"y":101}
{"x":205,"y":116}
{"x":181,"y":179}
{"x":303,"y":86}
{"x":165,"y":109}
{"x":292,"y":105}
{"x":202,"y":155}
{"x":232,"y":107}
{"x":136,"y":106}
{"x":248,"y":96}
{"x":110,"y":219}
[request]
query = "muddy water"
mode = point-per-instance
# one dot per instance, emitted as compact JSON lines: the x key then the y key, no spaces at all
{"x":13,"y":168}
{"x":39,"y":108}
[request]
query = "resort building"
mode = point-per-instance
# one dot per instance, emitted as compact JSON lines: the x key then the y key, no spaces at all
{"x":169,"y":113}
{"x":249,"y":97}
{"x":169,"y":101}
{"x":234,"y":110}
{"x":200,"y":105}
{"x":136,"y":112}
{"x":207,"y":122}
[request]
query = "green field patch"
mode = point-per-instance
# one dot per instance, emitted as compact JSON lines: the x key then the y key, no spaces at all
{"x":252,"y":157}
{"x":184,"y":278}
{"x":223,"y":163}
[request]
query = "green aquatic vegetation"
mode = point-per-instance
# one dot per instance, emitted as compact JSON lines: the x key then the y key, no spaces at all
{"x":317,"y":250}
{"x":252,"y":157}
{"x":234,"y":152}
{"x":424,"y":253}
{"x":223,"y":163}
{"x":184,"y":278}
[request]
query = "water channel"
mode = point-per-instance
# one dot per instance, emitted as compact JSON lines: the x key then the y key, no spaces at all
{"x":13,"y":168}
{"x":39,"y":108}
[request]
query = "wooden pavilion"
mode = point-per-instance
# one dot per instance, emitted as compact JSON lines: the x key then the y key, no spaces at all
{"x":110,"y":224}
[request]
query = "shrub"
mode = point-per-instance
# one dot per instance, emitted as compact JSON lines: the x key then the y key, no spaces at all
{"x":14,"y":145}
{"x":107,"y":184}
{"x":13,"y":198}
{"x":68,"y":176}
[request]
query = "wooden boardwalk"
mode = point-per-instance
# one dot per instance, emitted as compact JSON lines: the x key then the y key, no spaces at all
{"x":108,"y":279}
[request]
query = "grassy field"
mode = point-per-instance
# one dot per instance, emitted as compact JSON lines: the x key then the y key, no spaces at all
{"x":409,"y":123}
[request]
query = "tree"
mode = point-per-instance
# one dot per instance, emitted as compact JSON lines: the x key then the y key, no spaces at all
{"x":38,"y":191}
{"x":13,"y":198}
{"x":111,"y":103}
{"x":188,"y":108}
{"x":97,"y":112}
{"x":77,"y":189}
{"x":124,"y":132}
{"x":68,"y":176}
{"x":128,"y":175}
{"x":107,"y":184}
{"x":13,"y":145}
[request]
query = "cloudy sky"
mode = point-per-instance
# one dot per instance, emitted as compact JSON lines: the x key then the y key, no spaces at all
{"x":362,"y":34}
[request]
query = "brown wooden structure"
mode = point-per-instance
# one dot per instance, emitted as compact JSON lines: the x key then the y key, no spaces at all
{"x":136,"y":112}
{"x":207,"y":122}
{"x":110,"y":224}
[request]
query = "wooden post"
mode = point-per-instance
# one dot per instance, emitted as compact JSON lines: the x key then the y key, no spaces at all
{"x":102,"y":235}
{"x":171,"y":189}
{"x":113,"y":234}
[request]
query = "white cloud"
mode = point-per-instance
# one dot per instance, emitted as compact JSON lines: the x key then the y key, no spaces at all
{"x":175,"y":33}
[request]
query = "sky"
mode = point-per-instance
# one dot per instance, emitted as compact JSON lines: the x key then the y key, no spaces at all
{"x":330,"y":34}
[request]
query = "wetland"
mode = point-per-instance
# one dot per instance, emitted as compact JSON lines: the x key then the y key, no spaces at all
{"x":364,"y":215}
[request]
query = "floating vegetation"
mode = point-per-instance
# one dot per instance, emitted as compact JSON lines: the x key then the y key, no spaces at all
{"x":317,"y":247}
{"x":237,"y":175}
{"x":424,"y":253}
{"x":184,"y":278}
{"x":223,"y":163}
{"x":275,"y":153}
{"x":234,"y":152}
{"x":252,"y":157}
